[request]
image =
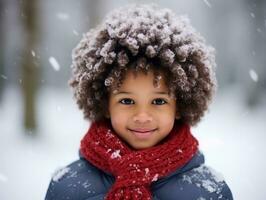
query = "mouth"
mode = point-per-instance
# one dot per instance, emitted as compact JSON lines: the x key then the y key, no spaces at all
{"x":142,"y":130}
{"x":142,"y":133}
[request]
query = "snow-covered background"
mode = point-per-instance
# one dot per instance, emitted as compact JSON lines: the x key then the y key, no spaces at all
{"x":232,"y":134}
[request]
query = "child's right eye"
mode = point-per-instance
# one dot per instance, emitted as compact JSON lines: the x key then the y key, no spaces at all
{"x":126,"y":101}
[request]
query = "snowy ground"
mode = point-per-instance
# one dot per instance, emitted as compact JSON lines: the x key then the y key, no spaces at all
{"x":231,"y":137}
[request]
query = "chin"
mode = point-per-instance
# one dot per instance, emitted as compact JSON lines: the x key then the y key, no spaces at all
{"x":140,"y":147}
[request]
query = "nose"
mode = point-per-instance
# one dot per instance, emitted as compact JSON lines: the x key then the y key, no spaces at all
{"x":142,"y":117}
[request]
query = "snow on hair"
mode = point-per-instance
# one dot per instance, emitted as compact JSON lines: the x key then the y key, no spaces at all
{"x":144,"y":37}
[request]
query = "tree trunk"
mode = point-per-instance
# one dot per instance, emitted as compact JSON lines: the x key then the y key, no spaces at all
{"x":256,"y":90}
{"x":30,"y":71}
{"x":2,"y":47}
{"x":94,"y":14}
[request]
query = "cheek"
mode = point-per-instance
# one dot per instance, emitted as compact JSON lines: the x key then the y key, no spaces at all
{"x":167,"y":120}
{"x":166,"y":127}
{"x":118,"y":119}
{"x":117,"y":113}
{"x":168,"y":113}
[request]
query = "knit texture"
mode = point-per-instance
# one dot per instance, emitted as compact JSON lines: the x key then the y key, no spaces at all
{"x":135,"y":170}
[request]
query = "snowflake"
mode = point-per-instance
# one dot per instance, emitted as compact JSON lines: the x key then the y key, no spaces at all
{"x":116,"y":154}
{"x":155,"y":178}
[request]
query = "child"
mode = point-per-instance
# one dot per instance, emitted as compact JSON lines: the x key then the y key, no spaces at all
{"x":142,"y":78}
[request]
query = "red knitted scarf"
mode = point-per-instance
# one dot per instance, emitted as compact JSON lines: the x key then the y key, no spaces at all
{"x":135,"y":170}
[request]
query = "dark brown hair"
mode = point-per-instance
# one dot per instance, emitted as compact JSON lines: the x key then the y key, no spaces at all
{"x":144,"y":37}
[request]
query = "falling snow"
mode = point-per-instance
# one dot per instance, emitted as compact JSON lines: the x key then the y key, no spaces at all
{"x":33,"y":53}
{"x":216,"y":155}
{"x":259,"y":30}
{"x":75,"y":32}
{"x":232,"y":173}
{"x":58,"y":108}
{"x":207,"y":3}
{"x":252,"y":15}
{"x":54,"y":63}
{"x":3,"y":178}
{"x":253,"y":75}
{"x":62,"y":16}
{"x":3,"y":76}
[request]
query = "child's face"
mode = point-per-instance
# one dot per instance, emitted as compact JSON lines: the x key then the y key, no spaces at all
{"x":141,"y":114}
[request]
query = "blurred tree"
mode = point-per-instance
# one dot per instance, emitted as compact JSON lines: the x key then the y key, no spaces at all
{"x":256,"y":88}
{"x":94,"y":14}
{"x":30,"y":69}
{"x":2,"y":31}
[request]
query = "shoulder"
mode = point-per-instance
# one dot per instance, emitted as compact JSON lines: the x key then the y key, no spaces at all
{"x":206,"y":182}
{"x":78,"y":180}
{"x":194,"y":182}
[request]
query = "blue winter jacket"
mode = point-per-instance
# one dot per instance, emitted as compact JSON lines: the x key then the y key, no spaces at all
{"x":81,"y":180}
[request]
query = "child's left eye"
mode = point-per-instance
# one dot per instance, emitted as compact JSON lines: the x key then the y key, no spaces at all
{"x":126,"y":101}
{"x":159,"y":101}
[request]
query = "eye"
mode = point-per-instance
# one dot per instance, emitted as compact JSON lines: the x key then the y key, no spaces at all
{"x":159,"y":101}
{"x":126,"y":101}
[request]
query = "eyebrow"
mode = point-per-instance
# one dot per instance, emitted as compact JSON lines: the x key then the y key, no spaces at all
{"x":122,"y":92}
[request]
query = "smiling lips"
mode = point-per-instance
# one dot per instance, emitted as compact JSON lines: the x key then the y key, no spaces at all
{"x":142,"y":133}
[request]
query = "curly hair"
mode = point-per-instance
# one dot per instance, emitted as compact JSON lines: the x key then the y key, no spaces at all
{"x":144,"y":37}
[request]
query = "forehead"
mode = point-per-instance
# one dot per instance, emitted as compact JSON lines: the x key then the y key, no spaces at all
{"x":140,"y":80}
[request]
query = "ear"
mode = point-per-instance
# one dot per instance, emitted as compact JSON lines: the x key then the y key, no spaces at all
{"x":107,"y":115}
{"x":177,"y":116}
